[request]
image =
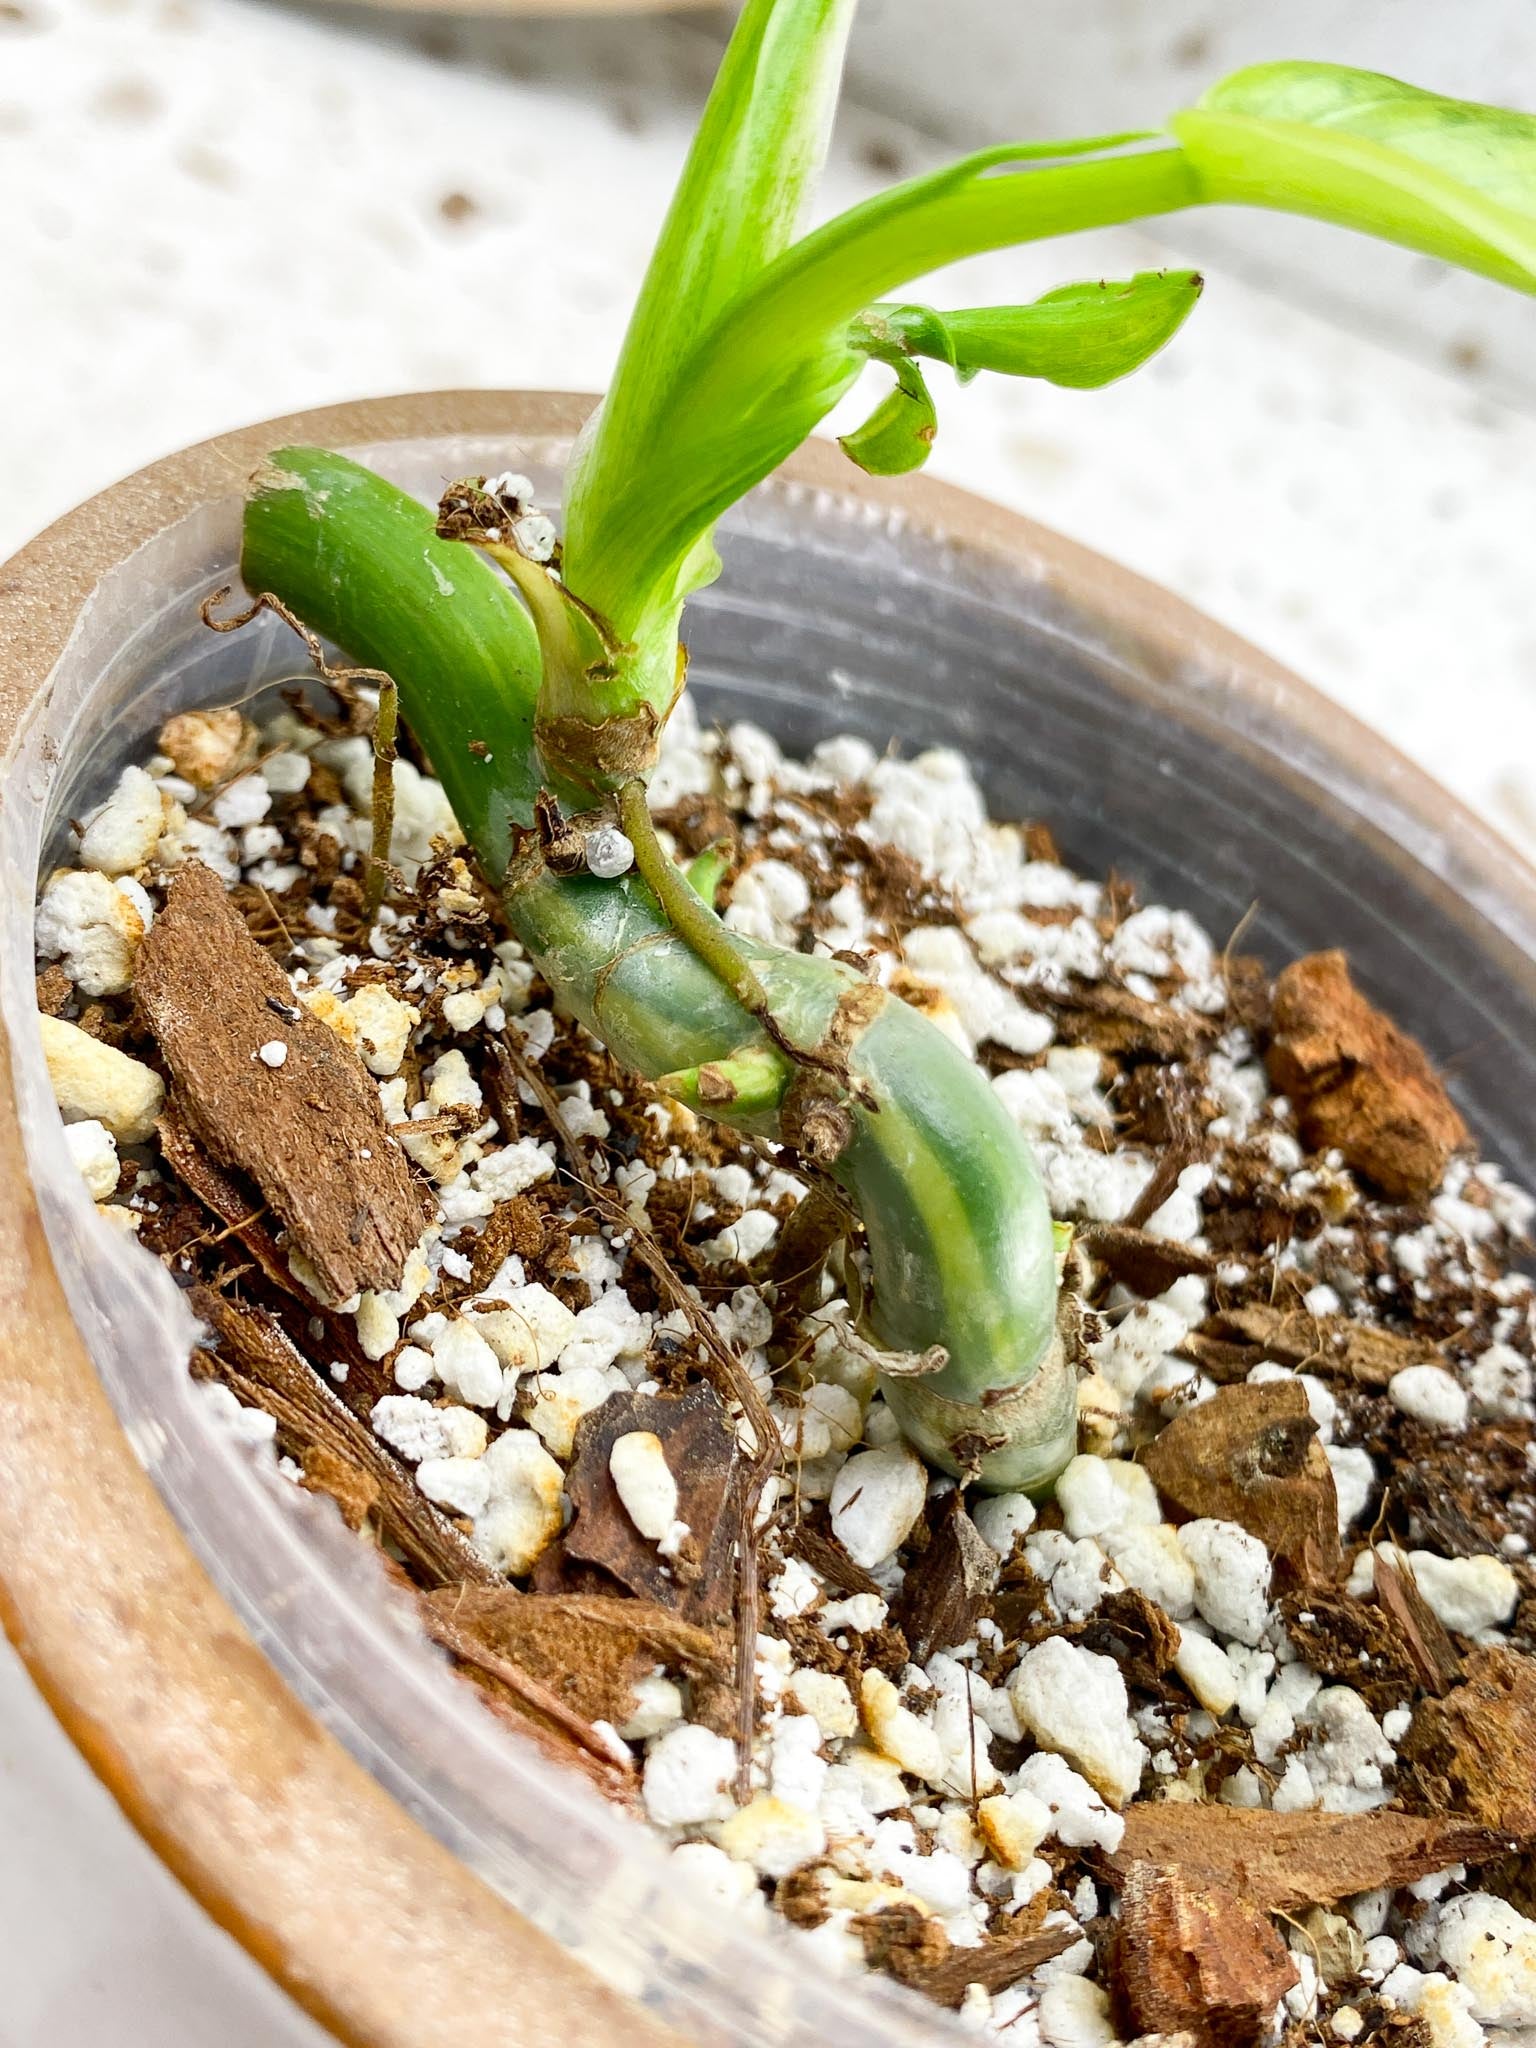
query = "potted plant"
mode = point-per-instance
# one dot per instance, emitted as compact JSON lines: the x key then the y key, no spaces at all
{"x":540,"y":695}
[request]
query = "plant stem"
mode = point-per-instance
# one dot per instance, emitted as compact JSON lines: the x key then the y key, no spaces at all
{"x":959,"y":1236}
{"x":685,"y":910}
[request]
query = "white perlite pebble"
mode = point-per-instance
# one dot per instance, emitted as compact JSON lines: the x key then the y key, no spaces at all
{"x":378,"y":1328}
{"x":96,"y":1082}
{"x":462,"y":1485}
{"x":1468,"y":1594}
{"x":273,"y":1054}
{"x":687,"y":1777}
{"x":523,"y":1513}
{"x":897,"y":1732}
{"x":827,"y":1699}
{"x":1500,"y":1382}
{"x":1231,"y":1571}
{"x":529,"y":1334}
{"x":1429,"y":1394}
{"x":1013,"y":1825}
{"x":1098,"y":1494}
{"x":246,"y":801}
{"x":876,"y":1499}
{"x":1074,"y":1702}
{"x":609,"y":853}
{"x":418,"y":1430}
{"x":1354,"y":1480}
{"x":1002,"y":1518}
{"x":1207,"y":1671}
{"x":91,"y":1146}
{"x":658,"y":1706}
{"x":643,"y":1480}
{"x":1492,"y":1949}
{"x":466,"y":1364}
{"x":1150,"y":1558}
{"x":122,"y":835}
{"x":773,"y":1836}
{"x":93,"y":926}
{"x":1075,"y":2014}
{"x":382,"y":1025}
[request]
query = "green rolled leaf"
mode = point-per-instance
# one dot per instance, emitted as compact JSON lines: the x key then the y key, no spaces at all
{"x":898,"y":435}
{"x":1081,"y":336}
{"x":1451,"y":178}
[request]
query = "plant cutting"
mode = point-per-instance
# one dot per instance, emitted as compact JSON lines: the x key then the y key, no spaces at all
{"x":540,"y":693}
{"x":599,"y":1237}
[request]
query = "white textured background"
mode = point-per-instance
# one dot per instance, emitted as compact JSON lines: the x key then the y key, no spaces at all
{"x":215,"y":210}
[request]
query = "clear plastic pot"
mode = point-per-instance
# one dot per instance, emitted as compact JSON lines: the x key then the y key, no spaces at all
{"x":1151,"y":742}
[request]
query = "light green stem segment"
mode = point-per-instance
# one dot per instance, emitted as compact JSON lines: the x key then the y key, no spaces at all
{"x":959,"y":1233}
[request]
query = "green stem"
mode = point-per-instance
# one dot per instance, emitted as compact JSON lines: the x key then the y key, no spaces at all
{"x":377,"y":580}
{"x":685,"y":910}
{"x":959,"y":1235}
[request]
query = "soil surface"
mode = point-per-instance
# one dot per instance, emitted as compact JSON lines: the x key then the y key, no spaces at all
{"x":1232,"y":1739}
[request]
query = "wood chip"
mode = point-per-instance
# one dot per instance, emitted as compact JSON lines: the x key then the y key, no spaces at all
{"x":1435,"y":1660}
{"x":949,"y":1588}
{"x":1353,"y":1641}
{"x":532,"y":1708}
{"x":1251,"y":1455}
{"x":1146,"y":1264}
{"x":1197,"y":1957}
{"x":1229,"y":1345}
{"x":1280,"y":1862}
{"x":914,"y":1948}
{"x":1358,"y":1082}
{"x":816,"y":1546}
{"x":589,"y":1650}
{"x":309,"y":1133}
{"x":701,"y":1454}
{"x":1115,"y":1021}
{"x":256,"y":1360}
{"x":354,"y":1491}
{"x":1131,"y":1629}
{"x":244,"y":1217}
{"x":1475,"y":1750}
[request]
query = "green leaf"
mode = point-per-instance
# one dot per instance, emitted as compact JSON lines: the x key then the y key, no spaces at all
{"x":1452,"y":178}
{"x":1081,"y":336}
{"x":898,"y":435}
{"x":774,"y":363}
{"x":753,"y":166}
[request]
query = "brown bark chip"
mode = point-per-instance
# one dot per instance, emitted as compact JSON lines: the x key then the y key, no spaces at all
{"x":1284,"y":1862}
{"x":1358,"y":1082}
{"x":589,"y":1650}
{"x":1475,"y":1750}
{"x":255,"y":1359}
{"x":700,"y":1448}
{"x":1434,"y":1658}
{"x":912,"y":1946}
{"x":950,"y":1587}
{"x":1197,"y":1957}
{"x":1228,"y":1345}
{"x":1146,"y":1264}
{"x":1251,"y":1455}
{"x":816,"y":1546}
{"x":309,"y":1134}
